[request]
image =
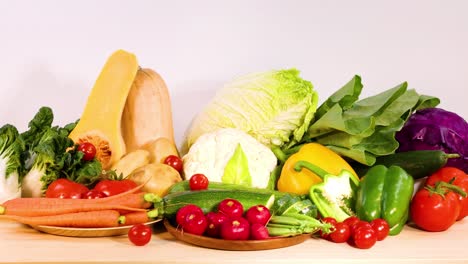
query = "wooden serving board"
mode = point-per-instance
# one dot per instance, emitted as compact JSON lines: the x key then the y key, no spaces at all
{"x":235,"y":245}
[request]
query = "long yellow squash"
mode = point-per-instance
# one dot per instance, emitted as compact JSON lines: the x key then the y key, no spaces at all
{"x":147,"y":115}
{"x":100,"y":122}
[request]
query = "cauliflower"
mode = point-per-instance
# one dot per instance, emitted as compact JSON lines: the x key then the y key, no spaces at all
{"x":230,"y":151}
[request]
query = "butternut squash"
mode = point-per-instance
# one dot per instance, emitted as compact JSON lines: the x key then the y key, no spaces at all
{"x":147,"y":115}
{"x":100,"y":122}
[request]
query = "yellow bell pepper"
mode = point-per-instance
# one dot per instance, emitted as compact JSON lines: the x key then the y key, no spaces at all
{"x":299,"y":182}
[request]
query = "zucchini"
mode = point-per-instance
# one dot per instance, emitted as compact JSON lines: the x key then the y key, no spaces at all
{"x":208,"y":200}
{"x":417,"y":163}
{"x":184,"y":186}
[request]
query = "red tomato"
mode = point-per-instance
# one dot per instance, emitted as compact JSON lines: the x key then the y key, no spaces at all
{"x":458,"y":178}
{"x":435,"y":211}
{"x":175,"y":162}
{"x":140,"y":234}
{"x":93,"y":194}
{"x":341,"y":234}
{"x":351,"y":221}
{"x":364,"y":237}
{"x":381,"y":228}
{"x":198,"y":182}
{"x":331,"y":221}
{"x":113,"y":187}
{"x":64,"y":188}
{"x":88,"y":149}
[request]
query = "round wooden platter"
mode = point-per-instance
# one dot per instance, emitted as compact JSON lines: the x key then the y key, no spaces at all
{"x":87,"y":232}
{"x":235,"y":245}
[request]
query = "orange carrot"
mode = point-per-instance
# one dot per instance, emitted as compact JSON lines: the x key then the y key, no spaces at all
{"x":103,"y":218}
{"x":134,"y":218}
{"x":56,"y":208}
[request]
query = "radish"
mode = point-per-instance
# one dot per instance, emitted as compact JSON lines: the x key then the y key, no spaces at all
{"x":215,"y":220}
{"x":237,"y":228}
{"x":231,"y":208}
{"x":258,"y":214}
{"x":184,"y":211}
{"x":195,"y":223}
{"x":259,"y":232}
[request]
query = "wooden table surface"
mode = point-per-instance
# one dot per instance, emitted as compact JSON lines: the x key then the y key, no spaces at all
{"x":21,"y":244}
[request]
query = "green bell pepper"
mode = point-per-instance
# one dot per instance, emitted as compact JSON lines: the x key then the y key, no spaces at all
{"x":385,"y":193}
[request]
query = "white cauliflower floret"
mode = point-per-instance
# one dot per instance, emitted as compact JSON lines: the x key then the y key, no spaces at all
{"x":211,"y":152}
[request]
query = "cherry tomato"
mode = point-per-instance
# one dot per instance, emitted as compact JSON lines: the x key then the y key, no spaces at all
{"x":434,"y":212}
{"x":381,"y":228}
{"x":175,"y":162}
{"x":341,"y":234}
{"x":64,"y":188}
{"x":198,"y":182}
{"x":140,"y":234}
{"x":184,"y":211}
{"x":331,"y":221}
{"x":88,"y":149}
{"x":231,"y":208}
{"x":456,"y":177}
{"x":93,"y":194}
{"x":351,"y":221}
{"x":113,"y":187}
{"x":364,"y":237}
{"x":359,"y":224}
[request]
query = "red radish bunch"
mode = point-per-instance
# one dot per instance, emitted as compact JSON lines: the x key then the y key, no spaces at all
{"x":228,"y":222}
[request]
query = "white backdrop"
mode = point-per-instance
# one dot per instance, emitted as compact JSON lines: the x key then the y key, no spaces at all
{"x":52,"y":51}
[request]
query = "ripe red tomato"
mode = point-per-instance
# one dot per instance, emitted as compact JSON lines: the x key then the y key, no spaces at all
{"x":175,"y":162}
{"x":341,"y":234}
{"x":198,"y":182}
{"x":364,"y":237}
{"x":351,"y":221}
{"x":331,"y":221}
{"x":458,"y":178}
{"x":113,"y":187}
{"x":381,"y":228}
{"x":140,"y":234}
{"x":434,"y":212}
{"x":88,"y":149}
{"x":93,"y":194}
{"x":64,"y":188}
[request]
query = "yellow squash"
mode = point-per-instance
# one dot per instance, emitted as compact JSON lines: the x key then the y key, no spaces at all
{"x":100,"y":122}
{"x":147,"y":115}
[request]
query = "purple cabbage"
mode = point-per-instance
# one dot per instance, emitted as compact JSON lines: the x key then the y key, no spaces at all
{"x":436,"y":129}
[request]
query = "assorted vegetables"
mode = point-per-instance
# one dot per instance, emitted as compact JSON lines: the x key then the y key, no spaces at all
{"x":260,"y":161}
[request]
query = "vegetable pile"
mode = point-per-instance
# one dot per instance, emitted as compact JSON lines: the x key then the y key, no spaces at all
{"x":262,"y":160}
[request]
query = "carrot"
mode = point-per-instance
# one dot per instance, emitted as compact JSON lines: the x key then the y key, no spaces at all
{"x":134,"y":218}
{"x":103,"y":218}
{"x":56,"y":208}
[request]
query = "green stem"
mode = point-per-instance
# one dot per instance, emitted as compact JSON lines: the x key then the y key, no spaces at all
{"x":313,"y":168}
{"x":153,"y":213}
{"x":280,"y":155}
{"x":121,"y":220}
{"x":152,"y":198}
{"x":442,"y":187}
